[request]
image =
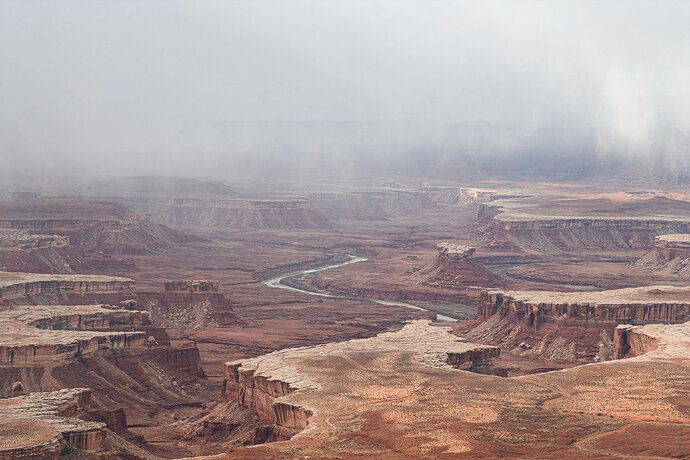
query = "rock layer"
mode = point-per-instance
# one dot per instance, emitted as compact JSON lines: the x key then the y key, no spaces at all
{"x":15,"y":286}
{"x":573,"y":326}
{"x":43,"y":425}
{"x":264,"y":383}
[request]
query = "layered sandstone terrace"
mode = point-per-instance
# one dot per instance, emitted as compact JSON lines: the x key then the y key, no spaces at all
{"x":648,"y":303}
{"x":192,"y":286}
{"x":395,"y":396}
{"x":509,"y":220}
{"x":42,"y":425}
{"x":14,"y":285}
{"x":264,"y":383}
{"x":39,"y":334}
{"x":551,"y":222}
{"x":46,"y":214}
{"x":653,"y":341}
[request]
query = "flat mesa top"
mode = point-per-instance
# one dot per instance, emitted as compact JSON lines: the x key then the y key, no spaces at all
{"x":429,"y":343}
{"x":10,"y":278}
{"x":516,"y":217}
{"x":30,"y":313}
{"x":675,"y":237}
{"x":638,"y":295}
{"x":35,"y":419}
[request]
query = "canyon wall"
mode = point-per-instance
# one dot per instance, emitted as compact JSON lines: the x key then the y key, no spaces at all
{"x":555,"y":234}
{"x":572,"y":327}
{"x":44,"y":425}
{"x":454,"y":267}
{"x":237,"y":213}
{"x":17,"y":286}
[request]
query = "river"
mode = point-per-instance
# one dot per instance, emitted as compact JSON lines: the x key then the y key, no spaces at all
{"x":277,"y":282}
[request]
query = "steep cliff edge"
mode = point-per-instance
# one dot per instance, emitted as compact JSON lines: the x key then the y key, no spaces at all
{"x":573,"y":326}
{"x":44,"y":425}
{"x":64,"y":236}
{"x":282,"y":389}
{"x":27,"y":287}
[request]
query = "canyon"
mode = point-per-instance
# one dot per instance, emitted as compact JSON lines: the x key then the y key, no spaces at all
{"x":211,"y":320}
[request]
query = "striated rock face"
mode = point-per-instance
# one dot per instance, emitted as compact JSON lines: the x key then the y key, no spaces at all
{"x":671,"y":255}
{"x":265,"y":384}
{"x":43,"y":425}
{"x":644,"y":304}
{"x":554,"y":234}
{"x":241,"y":213}
{"x":453,"y":266}
{"x":15,"y":286}
{"x":573,"y":326}
{"x":53,"y":334}
{"x":553,"y":224}
{"x":64,"y":236}
{"x":653,"y":341}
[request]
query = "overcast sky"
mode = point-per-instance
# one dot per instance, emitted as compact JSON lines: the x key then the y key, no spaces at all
{"x":152,"y":82}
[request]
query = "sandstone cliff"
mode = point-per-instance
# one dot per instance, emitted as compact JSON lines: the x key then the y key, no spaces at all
{"x":454,"y":266}
{"x":43,"y":425}
{"x":267,"y":384}
{"x":573,"y":326}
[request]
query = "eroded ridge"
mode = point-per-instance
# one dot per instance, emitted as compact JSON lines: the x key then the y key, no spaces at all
{"x":653,"y":341}
{"x":390,"y":397}
{"x":15,"y":285}
{"x":43,"y":334}
{"x":648,"y":303}
{"x":573,"y":326}
{"x":264,"y":383}
{"x":43,"y":425}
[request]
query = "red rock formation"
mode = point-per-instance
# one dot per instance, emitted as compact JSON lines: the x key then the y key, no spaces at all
{"x":263,"y":384}
{"x":453,"y":266}
{"x":16,"y":286}
{"x":573,"y":326}
{"x":43,"y":425}
{"x":53,"y":334}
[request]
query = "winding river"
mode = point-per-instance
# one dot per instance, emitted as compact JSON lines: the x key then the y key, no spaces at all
{"x":277,"y":282}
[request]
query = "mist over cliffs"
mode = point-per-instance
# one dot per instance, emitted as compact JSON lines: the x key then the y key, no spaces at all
{"x":224,"y":89}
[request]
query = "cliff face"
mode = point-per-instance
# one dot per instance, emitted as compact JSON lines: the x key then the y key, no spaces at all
{"x":16,"y":286}
{"x":569,"y":234}
{"x":43,"y":425}
{"x":583,"y":307}
{"x":652,"y":341}
{"x":269,"y":384}
{"x":201,"y":212}
{"x":63,"y":236}
{"x":453,"y":266}
{"x":573,"y":326}
{"x":671,"y":255}
{"x":259,"y":394}
{"x":53,"y":334}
